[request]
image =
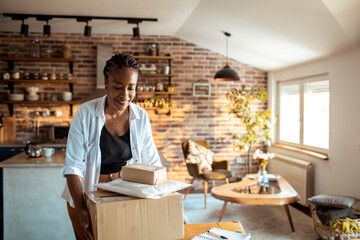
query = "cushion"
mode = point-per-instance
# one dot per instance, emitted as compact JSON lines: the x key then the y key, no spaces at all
{"x":329,"y":214}
{"x":333,"y":201}
{"x":201,"y":155}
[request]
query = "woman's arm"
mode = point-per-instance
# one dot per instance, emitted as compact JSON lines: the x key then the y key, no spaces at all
{"x":76,"y":190}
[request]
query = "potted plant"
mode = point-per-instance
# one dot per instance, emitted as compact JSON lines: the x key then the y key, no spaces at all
{"x":256,"y":122}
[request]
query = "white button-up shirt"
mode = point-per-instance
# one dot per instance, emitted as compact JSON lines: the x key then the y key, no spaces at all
{"x":83,"y":155}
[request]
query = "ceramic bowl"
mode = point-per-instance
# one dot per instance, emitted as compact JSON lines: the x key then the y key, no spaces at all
{"x":32,"y":97}
{"x":67,"y":96}
{"x":16,"y":97}
{"x":32,"y":90}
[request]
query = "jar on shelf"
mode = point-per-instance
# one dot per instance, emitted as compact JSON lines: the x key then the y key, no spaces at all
{"x":66,"y":51}
{"x":153,"y":50}
{"x":159,"y":87}
{"x":35,"y":48}
{"x":52,"y":76}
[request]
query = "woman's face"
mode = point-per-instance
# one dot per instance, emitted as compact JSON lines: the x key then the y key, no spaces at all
{"x":120,"y":87}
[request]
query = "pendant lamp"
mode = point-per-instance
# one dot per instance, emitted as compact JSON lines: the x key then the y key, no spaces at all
{"x":227,"y":74}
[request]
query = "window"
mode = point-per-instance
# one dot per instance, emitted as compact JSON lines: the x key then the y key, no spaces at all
{"x":304,"y":114}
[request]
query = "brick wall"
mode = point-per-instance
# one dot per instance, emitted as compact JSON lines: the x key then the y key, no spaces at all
{"x":192,"y":117}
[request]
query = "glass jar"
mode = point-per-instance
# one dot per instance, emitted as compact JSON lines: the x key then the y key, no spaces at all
{"x":35,"y":48}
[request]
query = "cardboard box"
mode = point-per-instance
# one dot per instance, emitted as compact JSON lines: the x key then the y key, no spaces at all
{"x":142,"y":173}
{"x":115,"y":216}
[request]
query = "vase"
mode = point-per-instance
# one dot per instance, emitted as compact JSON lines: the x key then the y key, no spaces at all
{"x":262,"y":173}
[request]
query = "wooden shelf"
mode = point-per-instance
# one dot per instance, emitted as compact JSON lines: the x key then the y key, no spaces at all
{"x":157,"y":108}
{"x":38,"y":81}
{"x":39,"y":102}
{"x":33,"y":59}
{"x":156,"y":75}
{"x":155,"y":93}
{"x":154,"y":57}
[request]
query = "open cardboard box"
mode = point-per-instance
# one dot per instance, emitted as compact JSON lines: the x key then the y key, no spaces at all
{"x":115,"y":216}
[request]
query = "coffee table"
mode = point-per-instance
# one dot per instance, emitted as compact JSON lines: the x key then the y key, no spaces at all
{"x":249,"y":192}
{"x":192,"y":230}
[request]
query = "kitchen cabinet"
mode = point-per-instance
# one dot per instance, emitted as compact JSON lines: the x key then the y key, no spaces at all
{"x":156,"y":94}
{"x":33,"y":208}
{"x":11,"y":82}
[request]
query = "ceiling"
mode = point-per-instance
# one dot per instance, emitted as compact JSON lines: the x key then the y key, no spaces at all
{"x":267,"y":34}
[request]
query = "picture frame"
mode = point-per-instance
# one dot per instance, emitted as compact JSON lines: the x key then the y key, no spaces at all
{"x":201,"y":89}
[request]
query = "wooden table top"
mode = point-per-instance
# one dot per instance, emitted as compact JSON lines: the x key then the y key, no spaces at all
{"x":192,"y":230}
{"x":228,"y":193}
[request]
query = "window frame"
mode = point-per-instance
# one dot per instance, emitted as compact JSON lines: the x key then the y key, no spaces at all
{"x":301,"y":82}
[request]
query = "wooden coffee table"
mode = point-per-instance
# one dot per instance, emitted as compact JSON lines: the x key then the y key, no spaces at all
{"x":249,"y":192}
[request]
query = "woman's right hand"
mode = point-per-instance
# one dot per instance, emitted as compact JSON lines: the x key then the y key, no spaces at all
{"x":84,"y":217}
{"x":75,"y":187}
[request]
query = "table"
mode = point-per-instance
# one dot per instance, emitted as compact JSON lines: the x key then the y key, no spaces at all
{"x":249,"y":192}
{"x":192,"y":230}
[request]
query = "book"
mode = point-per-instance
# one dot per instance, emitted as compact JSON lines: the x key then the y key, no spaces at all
{"x":217,"y":232}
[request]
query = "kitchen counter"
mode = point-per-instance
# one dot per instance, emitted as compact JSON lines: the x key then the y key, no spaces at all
{"x":32,"y":203}
{"x":22,"y":144}
{"x":21,"y":160}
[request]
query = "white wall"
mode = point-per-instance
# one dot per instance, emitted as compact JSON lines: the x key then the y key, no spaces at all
{"x":341,"y":173}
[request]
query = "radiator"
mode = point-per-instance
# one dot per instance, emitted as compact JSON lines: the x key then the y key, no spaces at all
{"x":297,"y":172}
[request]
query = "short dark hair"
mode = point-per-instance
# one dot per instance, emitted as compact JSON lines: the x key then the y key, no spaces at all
{"x":119,"y":61}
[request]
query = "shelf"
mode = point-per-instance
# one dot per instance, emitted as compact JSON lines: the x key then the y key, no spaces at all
{"x":38,"y":102}
{"x":38,"y":81}
{"x":11,"y":60}
{"x":10,"y":82}
{"x":154,"y":57}
{"x":155,"y":93}
{"x":157,"y":75}
{"x":11,"y":104}
{"x":156,"y":108}
{"x":33,"y":59}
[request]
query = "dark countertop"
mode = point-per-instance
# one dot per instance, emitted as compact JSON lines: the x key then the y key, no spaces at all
{"x":21,"y":160}
{"x":22,"y":144}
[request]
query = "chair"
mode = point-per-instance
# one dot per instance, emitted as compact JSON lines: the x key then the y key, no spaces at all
{"x":220,"y":169}
{"x":331,"y":227}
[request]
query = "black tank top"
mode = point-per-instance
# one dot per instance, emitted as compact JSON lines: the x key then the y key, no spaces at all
{"x":115,"y":151}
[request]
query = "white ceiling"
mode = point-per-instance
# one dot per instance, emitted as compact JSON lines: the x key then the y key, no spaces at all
{"x":267,"y":34}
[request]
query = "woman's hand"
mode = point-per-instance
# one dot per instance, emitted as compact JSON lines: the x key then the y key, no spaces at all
{"x":84,"y":217}
{"x":75,"y":187}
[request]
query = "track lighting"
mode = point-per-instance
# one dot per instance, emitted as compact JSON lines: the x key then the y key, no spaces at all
{"x":47,"y":29}
{"x":24,"y":29}
{"x":136,"y":31}
{"x":87,"y":30}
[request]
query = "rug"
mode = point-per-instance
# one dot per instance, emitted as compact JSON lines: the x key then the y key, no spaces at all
{"x":263,"y":222}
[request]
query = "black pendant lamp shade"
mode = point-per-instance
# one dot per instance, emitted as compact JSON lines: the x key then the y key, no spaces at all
{"x":227,"y":74}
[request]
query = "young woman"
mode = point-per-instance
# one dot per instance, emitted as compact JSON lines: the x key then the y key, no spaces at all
{"x":106,"y":134}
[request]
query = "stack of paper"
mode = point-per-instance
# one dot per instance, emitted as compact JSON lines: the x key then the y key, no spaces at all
{"x":217,"y":234}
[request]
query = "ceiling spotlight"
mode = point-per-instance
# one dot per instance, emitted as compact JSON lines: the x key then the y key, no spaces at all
{"x":24,"y":29}
{"x":227,"y":74}
{"x":87,"y":30}
{"x":136,"y":31}
{"x":47,"y":29}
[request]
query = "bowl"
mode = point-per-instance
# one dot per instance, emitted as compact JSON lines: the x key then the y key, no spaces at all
{"x":32,"y":90}
{"x":32,"y":97}
{"x":67,"y":96}
{"x":16,"y":97}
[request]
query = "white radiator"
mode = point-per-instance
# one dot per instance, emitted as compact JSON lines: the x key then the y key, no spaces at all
{"x":297,"y":172}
